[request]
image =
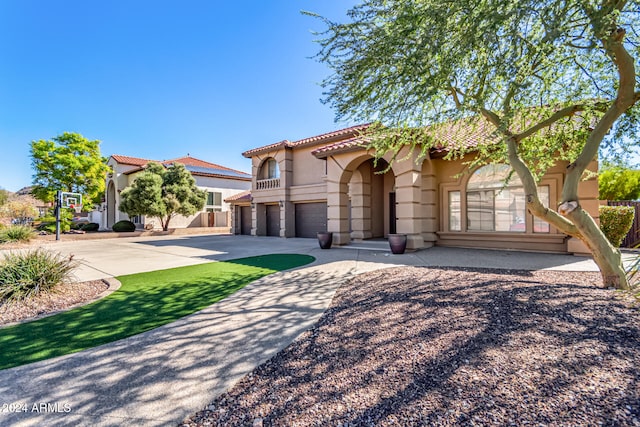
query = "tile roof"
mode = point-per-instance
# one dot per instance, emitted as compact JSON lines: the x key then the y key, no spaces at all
{"x":353,"y":130}
{"x":282,"y":144}
{"x":350,"y":144}
{"x":127,"y":160}
{"x":193,"y":165}
{"x":245,"y":196}
{"x":464,"y":133}
{"x":318,"y":139}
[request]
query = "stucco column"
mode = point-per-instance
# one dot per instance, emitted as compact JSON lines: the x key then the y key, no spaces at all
{"x":361,"y":205}
{"x":429,"y":204}
{"x":338,"y":202}
{"x":259,"y":220}
{"x":409,"y":202}
{"x":287,"y":220}
{"x":287,"y":209}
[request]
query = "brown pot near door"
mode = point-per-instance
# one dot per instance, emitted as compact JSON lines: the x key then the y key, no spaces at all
{"x":397,"y":243}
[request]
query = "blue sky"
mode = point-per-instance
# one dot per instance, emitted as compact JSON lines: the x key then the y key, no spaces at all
{"x":160,"y":79}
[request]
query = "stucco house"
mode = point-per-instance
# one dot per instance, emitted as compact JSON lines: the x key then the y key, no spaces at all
{"x":219,"y":181}
{"x":329,"y":182}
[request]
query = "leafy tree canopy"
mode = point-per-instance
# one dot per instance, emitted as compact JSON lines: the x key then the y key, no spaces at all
{"x":411,"y":63}
{"x":163,"y":193}
{"x":551,"y":78}
{"x":68,"y":162}
{"x":619,"y":183}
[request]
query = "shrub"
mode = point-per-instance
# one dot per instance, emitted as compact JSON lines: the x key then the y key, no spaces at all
{"x":16,"y":233}
{"x":123,"y":226}
{"x":90,"y":226}
{"x":615,"y":222}
{"x":26,"y":274}
{"x":50,"y":227}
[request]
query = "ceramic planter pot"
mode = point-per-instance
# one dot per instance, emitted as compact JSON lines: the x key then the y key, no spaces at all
{"x":325,"y":239}
{"x":397,"y":243}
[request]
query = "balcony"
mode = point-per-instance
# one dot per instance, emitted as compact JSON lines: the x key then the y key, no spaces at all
{"x":267,"y":184}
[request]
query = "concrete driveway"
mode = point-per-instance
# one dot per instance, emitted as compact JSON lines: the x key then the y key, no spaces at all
{"x":162,"y":376}
{"x":115,"y":257}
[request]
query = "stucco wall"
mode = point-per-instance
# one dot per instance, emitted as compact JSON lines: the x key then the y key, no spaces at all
{"x":307,"y":169}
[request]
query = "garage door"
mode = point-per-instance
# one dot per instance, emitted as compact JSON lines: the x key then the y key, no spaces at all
{"x":310,"y":219}
{"x":273,"y":220}
{"x":245,"y":220}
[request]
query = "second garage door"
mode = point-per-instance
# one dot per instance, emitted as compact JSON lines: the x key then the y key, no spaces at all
{"x":311,"y":218}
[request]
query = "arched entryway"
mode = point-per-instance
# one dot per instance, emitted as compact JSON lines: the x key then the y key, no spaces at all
{"x":111,"y":204}
{"x":372,"y":200}
{"x":360,"y":199}
{"x":363,"y":202}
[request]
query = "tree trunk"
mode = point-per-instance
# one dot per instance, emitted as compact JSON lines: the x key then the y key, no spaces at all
{"x":165,"y":223}
{"x":606,"y":256}
{"x":570,"y":218}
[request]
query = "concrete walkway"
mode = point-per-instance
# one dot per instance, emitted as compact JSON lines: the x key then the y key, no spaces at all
{"x":162,"y":376}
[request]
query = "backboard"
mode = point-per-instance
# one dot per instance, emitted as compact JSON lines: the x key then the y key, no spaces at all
{"x":71,"y":200}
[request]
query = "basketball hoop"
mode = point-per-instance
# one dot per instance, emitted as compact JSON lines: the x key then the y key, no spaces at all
{"x":71,"y":201}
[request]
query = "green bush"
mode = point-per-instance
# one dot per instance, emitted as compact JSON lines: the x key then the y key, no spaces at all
{"x":123,"y":226}
{"x":26,"y":274}
{"x":16,"y":233}
{"x":50,"y":227}
{"x":90,"y":226}
{"x":615,"y":222}
{"x":48,"y":223}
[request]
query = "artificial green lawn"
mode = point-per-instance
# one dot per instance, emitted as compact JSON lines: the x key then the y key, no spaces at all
{"x":144,"y":301}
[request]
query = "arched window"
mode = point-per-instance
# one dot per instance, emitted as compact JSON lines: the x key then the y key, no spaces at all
{"x":269,"y":169}
{"x":495,"y":200}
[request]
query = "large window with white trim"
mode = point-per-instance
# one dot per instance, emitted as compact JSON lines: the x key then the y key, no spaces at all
{"x":495,"y":201}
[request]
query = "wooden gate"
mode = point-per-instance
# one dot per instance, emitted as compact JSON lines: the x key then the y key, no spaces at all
{"x":632,"y":238}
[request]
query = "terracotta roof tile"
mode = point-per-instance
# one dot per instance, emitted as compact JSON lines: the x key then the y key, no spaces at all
{"x":462,"y":133}
{"x":128,"y":160}
{"x":318,"y":139}
{"x":282,"y":144}
{"x":245,"y":196}
{"x":353,"y":130}
{"x":194,"y":165}
{"x":192,"y":161}
{"x":355,"y":143}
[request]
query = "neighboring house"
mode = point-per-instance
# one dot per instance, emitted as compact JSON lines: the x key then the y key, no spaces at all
{"x":330,"y":183}
{"x":220,"y":182}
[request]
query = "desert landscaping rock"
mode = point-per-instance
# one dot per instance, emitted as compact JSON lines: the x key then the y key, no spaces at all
{"x":416,"y":346}
{"x":61,"y":298}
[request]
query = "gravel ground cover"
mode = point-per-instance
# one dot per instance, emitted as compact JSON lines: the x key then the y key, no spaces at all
{"x":62,"y":297}
{"x":415,"y":346}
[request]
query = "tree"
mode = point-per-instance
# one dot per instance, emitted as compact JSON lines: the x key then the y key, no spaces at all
{"x":4,"y":196}
{"x":163,"y":193}
{"x":552,"y":78}
{"x":71,"y":163}
{"x":20,"y":210}
{"x":619,"y":183}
